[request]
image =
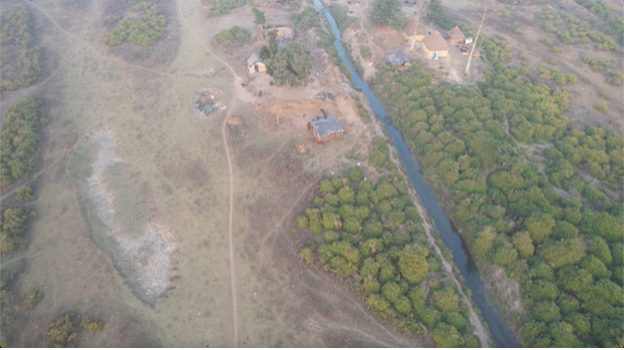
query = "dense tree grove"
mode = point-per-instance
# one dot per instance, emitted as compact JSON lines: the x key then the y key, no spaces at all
{"x":387,"y":13}
{"x":144,"y":31}
{"x":289,"y":66}
{"x":236,"y":35}
{"x":437,"y":14}
{"x":566,"y":251}
{"x":20,"y":140}
{"x":21,"y":70}
{"x":371,"y":234}
{"x":223,"y":7}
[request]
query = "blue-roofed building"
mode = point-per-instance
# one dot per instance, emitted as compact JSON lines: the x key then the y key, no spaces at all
{"x":327,"y":129}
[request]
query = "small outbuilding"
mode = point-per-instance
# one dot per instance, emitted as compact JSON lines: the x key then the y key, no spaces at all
{"x":326,"y":129}
{"x":399,"y":59}
{"x":255,"y":64}
{"x":408,"y":30}
{"x":455,"y":36}
{"x":435,"y":43}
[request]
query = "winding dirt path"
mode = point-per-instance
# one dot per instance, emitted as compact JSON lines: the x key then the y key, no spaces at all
{"x":237,"y":81}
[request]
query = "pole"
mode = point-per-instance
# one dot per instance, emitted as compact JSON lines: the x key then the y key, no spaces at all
{"x":420,"y":10}
{"x":474,"y":44}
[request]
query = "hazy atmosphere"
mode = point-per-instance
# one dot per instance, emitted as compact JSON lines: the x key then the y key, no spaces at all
{"x":312,"y":173}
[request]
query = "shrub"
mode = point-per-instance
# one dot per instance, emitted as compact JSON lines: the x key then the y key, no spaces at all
{"x":615,"y":78}
{"x":356,"y":174}
{"x":601,"y":106}
{"x":365,"y":52}
{"x":61,"y":331}
{"x":379,"y":306}
{"x":518,"y":31}
{"x":33,"y":298}
{"x":223,"y":7}
{"x":413,"y":263}
{"x":145,"y":31}
{"x":446,"y":336}
{"x":92,"y":326}
{"x":606,"y":96}
{"x":24,"y":194}
{"x":556,"y":49}
{"x":236,"y":34}
{"x":386,"y":12}
{"x":546,"y":42}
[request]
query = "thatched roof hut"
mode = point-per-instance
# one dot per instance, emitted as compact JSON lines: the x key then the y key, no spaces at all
{"x":435,"y":43}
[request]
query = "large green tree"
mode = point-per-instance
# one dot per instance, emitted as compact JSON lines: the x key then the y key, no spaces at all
{"x":290,"y":66}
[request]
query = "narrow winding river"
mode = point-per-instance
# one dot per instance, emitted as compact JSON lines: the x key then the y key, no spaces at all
{"x":490,"y":312}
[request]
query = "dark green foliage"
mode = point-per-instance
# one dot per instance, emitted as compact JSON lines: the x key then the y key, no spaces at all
{"x":259,"y":17}
{"x":356,"y":174}
{"x":19,"y":139}
{"x":339,"y":12}
{"x":455,"y":319}
{"x":290,"y":66}
{"x":437,"y":14}
{"x":13,"y":223}
{"x":446,"y":336}
{"x":144,"y":31}
{"x":223,"y":7}
{"x":21,"y":70}
{"x":386,"y":13}
{"x":236,"y":35}
{"x":306,"y":19}
{"x":505,"y":205}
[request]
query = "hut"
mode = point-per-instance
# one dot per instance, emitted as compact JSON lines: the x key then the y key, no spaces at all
{"x":399,"y":59}
{"x":435,"y":43}
{"x":327,"y":129}
{"x":455,"y":36}
{"x":408,"y":30}
{"x":255,"y":64}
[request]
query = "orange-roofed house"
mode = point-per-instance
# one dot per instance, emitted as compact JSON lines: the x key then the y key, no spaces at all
{"x":408,"y":30}
{"x":435,"y":43}
{"x":455,"y":36}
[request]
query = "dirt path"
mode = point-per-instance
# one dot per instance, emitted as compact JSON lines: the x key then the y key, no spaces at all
{"x":454,"y":74}
{"x":237,"y":81}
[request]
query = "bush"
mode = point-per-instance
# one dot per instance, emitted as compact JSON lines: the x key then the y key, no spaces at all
{"x":518,"y":31}
{"x":33,"y":298}
{"x":615,"y":78}
{"x":606,"y":96}
{"x":446,"y":336}
{"x":546,"y":42}
{"x":236,"y":35}
{"x":61,"y":332}
{"x":386,"y":12}
{"x":356,"y":174}
{"x":223,"y":7}
{"x":556,"y":49}
{"x":13,"y":223}
{"x":366,"y":52}
{"x":24,"y":70}
{"x":145,"y":31}
{"x":601,"y":106}
{"x":413,"y":263}
{"x":92,"y":326}
{"x":290,"y":66}
{"x":306,"y":19}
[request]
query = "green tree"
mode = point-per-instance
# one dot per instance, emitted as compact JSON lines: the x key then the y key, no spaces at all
{"x":259,"y":18}
{"x":290,"y":66}
{"x":446,"y":336}
{"x":413,"y":263}
{"x":523,"y":243}
{"x":539,"y":226}
{"x":356,"y":174}
{"x":484,"y":242}
{"x":545,"y":311}
{"x":563,"y":252}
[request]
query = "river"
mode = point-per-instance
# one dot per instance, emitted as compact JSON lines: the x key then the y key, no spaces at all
{"x":490,"y":312}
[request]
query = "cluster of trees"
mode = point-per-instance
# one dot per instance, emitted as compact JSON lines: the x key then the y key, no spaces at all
{"x":145,"y":31}
{"x":223,"y":7}
{"x":567,"y":253}
{"x":437,"y":14}
{"x":577,"y":28}
{"x":387,"y":13}
{"x":608,"y":13}
{"x":20,"y":140}
{"x":371,"y":233}
{"x":556,"y":76}
{"x":236,"y":35}
{"x":22,"y":70}
{"x":289,"y":66}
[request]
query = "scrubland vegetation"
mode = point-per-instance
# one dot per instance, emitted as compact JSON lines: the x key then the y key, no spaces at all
{"x":23,"y":70}
{"x":145,"y":31}
{"x":223,"y":7}
{"x":307,"y":19}
{"x":339,"y":12}
{"x":371,"y":234}
{"x":566,"y":251}
{"x":236,"y":35}
{"x":20,"y":139}
{"x":579,"y":29}
{"x":64,"y":331}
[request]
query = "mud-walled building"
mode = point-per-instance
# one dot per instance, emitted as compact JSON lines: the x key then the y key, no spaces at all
{"x":326,"y":129}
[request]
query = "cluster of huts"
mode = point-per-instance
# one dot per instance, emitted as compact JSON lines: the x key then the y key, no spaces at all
{"x":434,"y":44}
